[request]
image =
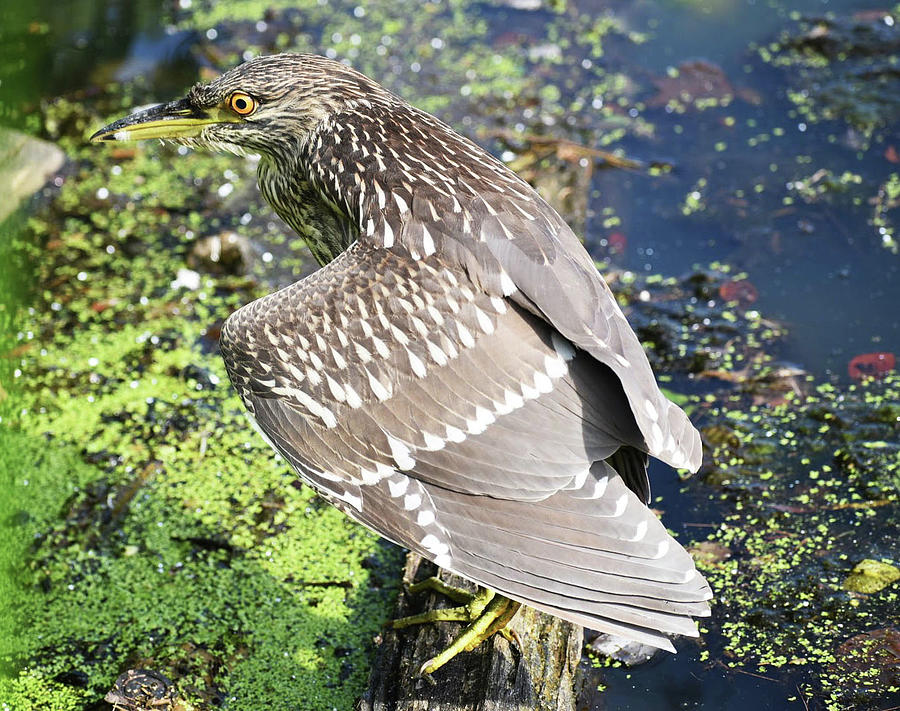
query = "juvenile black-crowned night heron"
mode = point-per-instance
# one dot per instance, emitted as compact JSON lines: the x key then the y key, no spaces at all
{"x":457,"y":377}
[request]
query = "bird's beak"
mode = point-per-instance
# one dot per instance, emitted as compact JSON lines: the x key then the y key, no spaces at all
{"x":177,"y":119}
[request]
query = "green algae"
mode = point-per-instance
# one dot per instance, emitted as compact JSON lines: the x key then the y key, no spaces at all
{"x":884,"y":213}
{"x":809,"y":493}
{"x":841,"y":68}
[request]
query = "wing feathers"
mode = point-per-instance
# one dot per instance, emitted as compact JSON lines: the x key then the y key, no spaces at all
{"x":506,"y":455}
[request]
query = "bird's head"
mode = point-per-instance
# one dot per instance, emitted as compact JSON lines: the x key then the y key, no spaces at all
{"x":268,"y":105}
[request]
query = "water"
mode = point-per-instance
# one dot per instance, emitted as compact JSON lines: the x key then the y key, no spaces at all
{"x":818,"y":267}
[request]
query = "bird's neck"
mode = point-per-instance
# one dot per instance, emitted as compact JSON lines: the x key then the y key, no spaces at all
{"x":319,"y":218}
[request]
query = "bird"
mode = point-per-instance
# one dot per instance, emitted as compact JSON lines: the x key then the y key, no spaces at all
{"x":457,"y":376}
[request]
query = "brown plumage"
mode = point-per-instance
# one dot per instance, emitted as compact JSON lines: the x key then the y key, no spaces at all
{"x":458,"y":376}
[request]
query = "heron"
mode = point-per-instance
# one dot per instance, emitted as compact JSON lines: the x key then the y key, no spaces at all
{"x":457,"y":376}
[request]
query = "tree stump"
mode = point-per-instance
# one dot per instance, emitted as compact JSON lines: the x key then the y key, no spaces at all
{"x":496,"y":676}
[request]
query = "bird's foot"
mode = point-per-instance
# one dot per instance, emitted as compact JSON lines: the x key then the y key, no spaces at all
{"x":486,"y":612}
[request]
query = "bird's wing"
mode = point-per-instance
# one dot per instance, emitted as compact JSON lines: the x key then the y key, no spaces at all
{"x":463,"y":427}
{"x":531,"y":256}
{"x":442,"y":193}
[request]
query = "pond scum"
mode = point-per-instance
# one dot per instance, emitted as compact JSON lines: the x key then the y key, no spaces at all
{"x":148,"y":526}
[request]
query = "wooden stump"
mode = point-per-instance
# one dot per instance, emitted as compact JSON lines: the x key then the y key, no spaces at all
{"x":495,"y":677}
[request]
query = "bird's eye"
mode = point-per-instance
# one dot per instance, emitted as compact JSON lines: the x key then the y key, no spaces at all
{"x":242,"y":104}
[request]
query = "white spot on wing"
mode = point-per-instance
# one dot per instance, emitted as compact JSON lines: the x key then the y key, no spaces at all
{"x":513,"y":401}
{"x":640,"y":532}
{"x":599,"y":488}
{"x":353,"y":398}
{"x":352,"y":499}
{"x":336,"y":390}
{"x":443,"y":561}
{"x":432,"y":442}
{"x":454,"y":434}
{"x":418,"y":367}
{"x":483,"y":418}
{"x":530,"y":393}
{"x":401,"y":453}
{"x":398,"y":488}
{"x":315,"y":407}
{"x":433,"y":545}
{"x":579,"y":479}
{"x":484,"y":321}
{"x":437,"y":355}
{"x":381,"y":392}
{"x":498,"y":304}
{"x":555,"y":367}
{"x":427,"y":242}
{"x":369,"y":477}
{"x":542,"y":383}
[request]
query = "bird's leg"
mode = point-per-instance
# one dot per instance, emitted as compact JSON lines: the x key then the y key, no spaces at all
{"x":486,"y":612}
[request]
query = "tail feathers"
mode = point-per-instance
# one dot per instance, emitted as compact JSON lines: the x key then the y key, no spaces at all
{"x":605,"y":562}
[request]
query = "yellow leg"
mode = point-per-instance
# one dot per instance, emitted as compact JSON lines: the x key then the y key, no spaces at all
{"x":486,"y":612}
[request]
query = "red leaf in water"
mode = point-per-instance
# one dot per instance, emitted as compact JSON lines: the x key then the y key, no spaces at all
{"x":871,"y":365}
{"x":890,"y":153}
{"x":741,"y":291}
{"x":617,"y":243}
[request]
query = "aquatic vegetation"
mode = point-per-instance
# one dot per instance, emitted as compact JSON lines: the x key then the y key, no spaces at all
{"x":814,"y":486}
{"x":870,"y":576}
{"x":688,"y":327}
{"x":886,"y":203}
{"x":842,"y":68}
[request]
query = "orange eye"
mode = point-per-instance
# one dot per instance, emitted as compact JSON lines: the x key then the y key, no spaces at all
{"x":242,"y":104}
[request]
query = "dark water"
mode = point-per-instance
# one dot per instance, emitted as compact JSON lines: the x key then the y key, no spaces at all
{"x":819,"y":268}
